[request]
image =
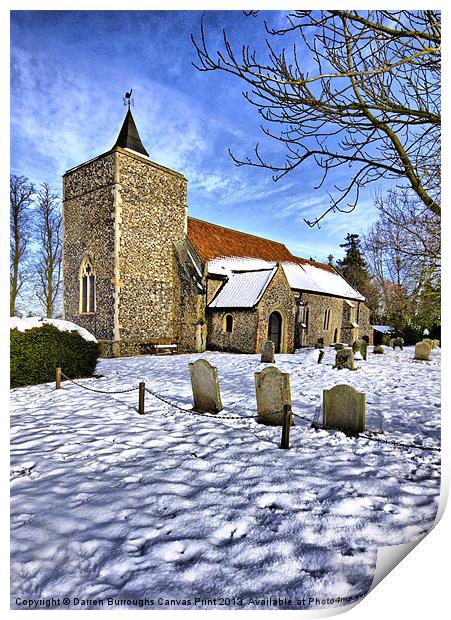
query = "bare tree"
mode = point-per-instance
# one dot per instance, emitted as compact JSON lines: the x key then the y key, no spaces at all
{"x":403,"y":251}
{"x":369,"y":106}
{"x":48,"y":255}
{"x":21,"y":193}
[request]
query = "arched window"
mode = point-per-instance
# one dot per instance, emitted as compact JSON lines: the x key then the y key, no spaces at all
{"x":87,"y":287}
{"x":228,"y":323}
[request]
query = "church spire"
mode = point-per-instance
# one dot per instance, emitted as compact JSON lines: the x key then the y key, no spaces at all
{"x":128,"y":137}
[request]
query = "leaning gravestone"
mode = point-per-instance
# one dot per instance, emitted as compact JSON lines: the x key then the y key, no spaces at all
{"x":361,"y":346}
{"x":272,"y":388}
{"x":344,"y":358}
{"x":378,"y":349}
{"x":422,"y":351}
{"x":205,"y":384}
{"x":344,"y":409}
{"x":267,"y":353}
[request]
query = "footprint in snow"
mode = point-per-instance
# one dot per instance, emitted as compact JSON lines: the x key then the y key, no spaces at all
{"x":178,"y":551}
{"x":229,"y":532}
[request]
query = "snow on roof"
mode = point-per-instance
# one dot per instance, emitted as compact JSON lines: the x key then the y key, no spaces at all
{"x":243,"y":289}
{"x":384,"y":329}
{"x":22,"y":324}
{"x":304,"y":277}
{"x":226,"y":265}
{"x":308,"y":277}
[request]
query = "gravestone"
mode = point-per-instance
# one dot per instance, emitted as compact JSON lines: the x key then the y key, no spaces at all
{"x":267,"y":353}
{"x":272,"y":388}
{"x":378,"y":349}
{"x":397,"y":342}
{"x":205,"y":384}
{"x":422,"y":351}
{"x":360,"y":346}
{"x":344,"y":409}
{"x":320,"y":356}
{"x":344,"y":359}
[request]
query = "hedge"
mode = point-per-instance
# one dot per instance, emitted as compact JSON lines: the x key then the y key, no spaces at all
{"x":37,"y":352}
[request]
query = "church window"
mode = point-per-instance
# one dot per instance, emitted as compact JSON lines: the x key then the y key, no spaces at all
{"x":326,"y":319}
{"x":228,"y":323}
{"x":87,"y":287}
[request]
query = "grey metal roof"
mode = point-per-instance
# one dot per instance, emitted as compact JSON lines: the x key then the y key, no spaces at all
{"x":243,"y":290}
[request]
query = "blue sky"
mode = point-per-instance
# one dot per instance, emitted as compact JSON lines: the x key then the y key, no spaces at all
{"x":69,"y":71}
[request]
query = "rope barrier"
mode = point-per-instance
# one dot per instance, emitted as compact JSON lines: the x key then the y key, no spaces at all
{"x":85,"y":387}
{"x":245,"y":420}
{"x":406,"y":446}
{"x":205,"y":414}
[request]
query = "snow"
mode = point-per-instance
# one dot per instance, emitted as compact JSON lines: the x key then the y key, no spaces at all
{"x":22,"y":324}
{"x":303,"y":277}
{"x":243,"y":290}
{"x":310,"y":278}
{"x":384,"y":329}
{"x":226,"y":265}
{"x":175,"y":505}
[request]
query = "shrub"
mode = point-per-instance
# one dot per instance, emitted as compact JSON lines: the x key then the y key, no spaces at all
{"x":36,"y":353}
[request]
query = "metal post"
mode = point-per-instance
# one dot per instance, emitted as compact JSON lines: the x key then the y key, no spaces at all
{"x":285,"y":443}
{"x":58,"y":379}
{"x":142,"y":387}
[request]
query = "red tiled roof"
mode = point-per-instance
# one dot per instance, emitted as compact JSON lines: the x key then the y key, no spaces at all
{"x":212,"y":241}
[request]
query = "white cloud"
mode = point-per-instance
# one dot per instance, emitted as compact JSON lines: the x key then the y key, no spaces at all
{"x":63,"y":120}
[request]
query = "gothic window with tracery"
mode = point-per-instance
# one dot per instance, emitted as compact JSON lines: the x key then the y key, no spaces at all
{"x":87,"y":287}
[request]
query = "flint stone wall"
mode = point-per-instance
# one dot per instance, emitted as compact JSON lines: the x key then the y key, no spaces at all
{"x":88,"y":215}
{"x":153,"y":219}
{"x":242,"y":338}
{"x":341,"y":317}
{"x":278,"y":297}
{"x":126,"y":213}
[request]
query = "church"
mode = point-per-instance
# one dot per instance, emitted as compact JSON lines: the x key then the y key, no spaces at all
{"x":141,"y":275}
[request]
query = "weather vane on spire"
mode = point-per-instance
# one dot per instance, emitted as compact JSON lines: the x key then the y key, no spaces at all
{"x":127,"y":98}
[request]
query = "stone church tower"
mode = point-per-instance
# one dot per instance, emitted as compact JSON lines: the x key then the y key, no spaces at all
{"x":124,"y":216}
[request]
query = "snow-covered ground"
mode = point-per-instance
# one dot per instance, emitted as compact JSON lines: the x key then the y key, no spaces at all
{"x":171,"y":505}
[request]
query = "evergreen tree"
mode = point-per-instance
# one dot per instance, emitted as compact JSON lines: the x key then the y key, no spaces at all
{"x":354,"y":268}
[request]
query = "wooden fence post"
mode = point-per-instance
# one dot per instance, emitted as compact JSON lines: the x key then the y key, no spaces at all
{"x":285,"y":443}
{"x":58,"y":379}
{"x":142,"y":387}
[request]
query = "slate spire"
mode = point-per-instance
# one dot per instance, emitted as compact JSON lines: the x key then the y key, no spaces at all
{"x":128,"y":137}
